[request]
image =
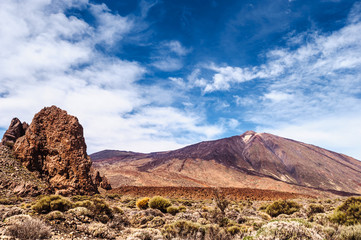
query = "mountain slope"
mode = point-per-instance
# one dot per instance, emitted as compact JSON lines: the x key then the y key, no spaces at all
{"x":255,"y":160}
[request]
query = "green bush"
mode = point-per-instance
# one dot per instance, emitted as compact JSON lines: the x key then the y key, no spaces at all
{"x":51,"y":203}
{"x":160,"y":203}
{"x":87,"y":204}
{"x":182,"y":208}
{"x":349,"y":212}
{"x":142,"y":203}
{"x":78,"y":198}
{"x":172,"y":210}
{"x":282,"y":207}
{"x":315,"y":208}
{"x":61,"y":205}
{"x":101,"y":207}
{"x":10,"y":200}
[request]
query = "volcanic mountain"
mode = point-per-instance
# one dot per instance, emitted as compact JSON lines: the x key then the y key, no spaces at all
{"x":252,"y":160}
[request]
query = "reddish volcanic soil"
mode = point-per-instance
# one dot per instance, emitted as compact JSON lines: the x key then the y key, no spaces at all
{"x":201,"y":193}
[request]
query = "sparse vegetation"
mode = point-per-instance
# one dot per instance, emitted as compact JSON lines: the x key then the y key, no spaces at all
{"x":105,"y":217}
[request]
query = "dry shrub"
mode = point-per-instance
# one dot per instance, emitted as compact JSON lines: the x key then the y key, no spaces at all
{"x":349,"y":233}
{"x":119,"y":221}
{"x":142,"y":203}
{"x":101,"y":207}
{"x":349,"y":212}
{"x":8,"y":212}
{"x":220,"y":200}
{"x":282,"y":207}
{"x":55,"y":215}
{"x":100,"y":230}
{"x":28,"y":228}
{"x":183,"y":229}
{"x":285,"y":230}
{"x":146,"y":234}
{"x":214,"y":232}
{"x":160,"y":203}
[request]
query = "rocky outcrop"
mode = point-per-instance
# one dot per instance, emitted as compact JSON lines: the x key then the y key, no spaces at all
{"x":54,"y":147}
{"x":15,"y":130}
{"x":101,"y":181}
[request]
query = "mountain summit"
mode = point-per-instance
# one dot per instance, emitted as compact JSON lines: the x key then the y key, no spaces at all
{"x":254,"y":160}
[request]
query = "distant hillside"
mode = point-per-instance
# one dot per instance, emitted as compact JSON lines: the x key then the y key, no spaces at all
{"x":253,"y":160}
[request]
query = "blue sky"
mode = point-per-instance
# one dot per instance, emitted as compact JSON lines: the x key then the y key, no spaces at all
{"x":158,"y":75}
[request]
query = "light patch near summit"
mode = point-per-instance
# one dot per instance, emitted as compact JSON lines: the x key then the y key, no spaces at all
{"x":246,"y":138}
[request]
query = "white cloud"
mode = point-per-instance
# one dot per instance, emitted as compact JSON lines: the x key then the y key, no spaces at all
{"x":226,"y":76}
{"x":277,"y":97}
{"x":168,"y":64}
{"x":110,"y":27}
{"x":176,"y":47}
{"x":169,"y":56}
{"x":49,"y":58}
{"x":310,"y":91}
{"x":337,"y":133}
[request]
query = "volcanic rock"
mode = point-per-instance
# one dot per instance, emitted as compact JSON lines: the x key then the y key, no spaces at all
{"x":16,"y":180}
{"x":15,"y":130}
{"x":54,"y":147}
{"x":100,"y":181}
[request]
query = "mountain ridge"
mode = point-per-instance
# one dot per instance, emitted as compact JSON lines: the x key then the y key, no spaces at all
{"x":255,"y":157}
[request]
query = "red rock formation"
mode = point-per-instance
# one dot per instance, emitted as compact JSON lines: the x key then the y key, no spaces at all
{"x":101,"y":181}
{"x":15,"y":130}
{"x":54,"y":147}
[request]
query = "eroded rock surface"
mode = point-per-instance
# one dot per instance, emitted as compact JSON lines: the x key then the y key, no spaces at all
{"x":15,"y":130}
{"x":54,"y":147}
{"x":100,"y":181}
